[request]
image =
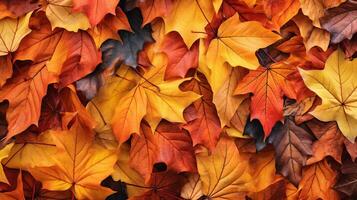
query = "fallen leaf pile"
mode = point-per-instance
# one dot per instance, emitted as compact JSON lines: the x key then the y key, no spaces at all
{"x":178,"y":99}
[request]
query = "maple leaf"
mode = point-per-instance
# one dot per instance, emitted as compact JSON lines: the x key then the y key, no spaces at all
{"x":205,"y":128}
{"x":292,"y":145}
{"x":313,"y":36}
{"x":223,"y":81}
{"x":31,"y":150}
{"x":81,"y":60}
{"x":334,"y":85}
{"x":95,"y":9}
{"x":32,"y":82}
{"x":330,"y":141}
{"x":190,"y":26}
{"x":224,"y":98}
{"x":317,"y":182}
{"x":341,"y":29}
{"x":79,"y":164}
{"x":164,"y":113}
{"x":169,"y":144}
{"x":180,"y":59}
{"x":59,"y":13}
{"x":268,"y":85}
{"x":236,"y":43}
{"x":109,"y":26}
{"x":126,"y":51}
{"x":24,"y":93}
{"x":71,"y":51}
{"x":224,"y":173}
{"x":43,"y":44}
{"x":69,"y":55}
{"x":144,"y":95}
{"x":12,"y":31}
{"x":315,"y":9}
{"x":175,"y":148}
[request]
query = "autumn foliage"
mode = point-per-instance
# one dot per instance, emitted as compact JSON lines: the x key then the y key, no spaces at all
{"x":178,"y":99}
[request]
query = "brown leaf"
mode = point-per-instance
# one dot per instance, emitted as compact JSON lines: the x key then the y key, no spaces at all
{"x":330,"y":141}
{"x":292,"y":145}
{"x":341,"y":21}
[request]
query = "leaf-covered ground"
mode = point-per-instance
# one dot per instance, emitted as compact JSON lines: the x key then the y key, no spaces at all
{"x":178,"y":99}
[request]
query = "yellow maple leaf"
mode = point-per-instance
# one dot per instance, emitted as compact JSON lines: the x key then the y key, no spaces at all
{"x":31,"y":150}
{"x":135,"y":96}
{"x":236,"y":43}
{"x":12,"y":31}
{"x":337,"y":89}
{"x":224,"y":173}
{"x":191,"y":24}
{"x":223,"y":81}
{"x":60,"y":14}
{"x":80,"y":165}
